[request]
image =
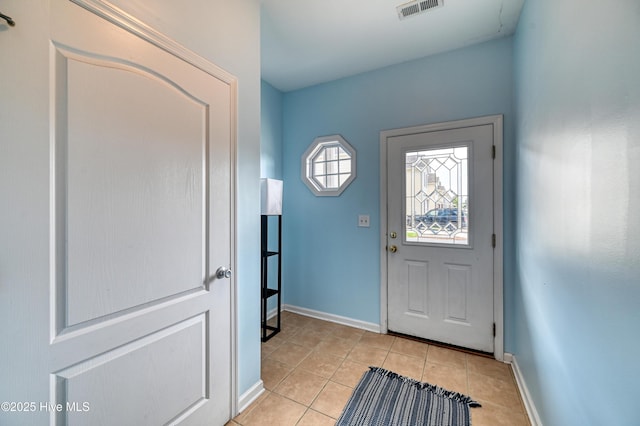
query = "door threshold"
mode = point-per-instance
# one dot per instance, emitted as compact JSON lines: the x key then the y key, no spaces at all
{"x":442,"y":345}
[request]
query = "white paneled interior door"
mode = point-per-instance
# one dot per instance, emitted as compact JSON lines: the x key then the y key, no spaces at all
{"x":137,"y":328}
{"x":440,"y":258}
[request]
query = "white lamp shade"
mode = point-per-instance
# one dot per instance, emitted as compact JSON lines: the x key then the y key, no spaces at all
{"x":270,"y":197}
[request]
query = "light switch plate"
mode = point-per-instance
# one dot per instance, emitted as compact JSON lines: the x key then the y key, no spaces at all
{"x":363,"y":220}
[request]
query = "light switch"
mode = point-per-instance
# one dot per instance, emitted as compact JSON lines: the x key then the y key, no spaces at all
{"x":363,"y":220}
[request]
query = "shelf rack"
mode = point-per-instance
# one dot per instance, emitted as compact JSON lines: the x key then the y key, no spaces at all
{"x":268,"y":331}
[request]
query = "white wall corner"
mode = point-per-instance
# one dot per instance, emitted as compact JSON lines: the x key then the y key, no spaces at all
{"x":249,"y":396}
{"x":529,"y":405}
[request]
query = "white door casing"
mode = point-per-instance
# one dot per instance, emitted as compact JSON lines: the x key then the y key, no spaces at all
{"x":141,"y":178}
{"x":448,"y":293}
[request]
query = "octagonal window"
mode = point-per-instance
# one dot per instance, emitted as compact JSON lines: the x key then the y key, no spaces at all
{"x":329,"y":165}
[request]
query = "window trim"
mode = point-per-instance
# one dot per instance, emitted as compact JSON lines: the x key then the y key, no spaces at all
{"x":307,"y":164}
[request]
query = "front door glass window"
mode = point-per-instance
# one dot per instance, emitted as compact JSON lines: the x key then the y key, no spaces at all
{"x":437,"y":196}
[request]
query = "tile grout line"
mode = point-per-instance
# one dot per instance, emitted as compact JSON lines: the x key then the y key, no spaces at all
{"x":328,"y":380}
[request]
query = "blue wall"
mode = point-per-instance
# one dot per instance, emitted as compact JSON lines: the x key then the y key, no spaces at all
{"x":330,"y":264}
{"x":270,"y":132}
{"x":577,"y":311}
{"x":271,"y":167}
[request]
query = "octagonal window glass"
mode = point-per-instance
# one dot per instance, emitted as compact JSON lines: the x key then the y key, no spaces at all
{"x":329,"y":165}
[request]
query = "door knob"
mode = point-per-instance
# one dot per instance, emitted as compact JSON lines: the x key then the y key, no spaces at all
{"x":393,"y":249}
{"x":223,"y":272}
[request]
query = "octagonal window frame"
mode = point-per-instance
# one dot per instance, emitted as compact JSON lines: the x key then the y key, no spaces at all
{"x":313,"y":157}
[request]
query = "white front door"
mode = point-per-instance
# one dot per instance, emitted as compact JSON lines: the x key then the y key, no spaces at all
{"x":129,"y":324}
{"x":440,"y":227}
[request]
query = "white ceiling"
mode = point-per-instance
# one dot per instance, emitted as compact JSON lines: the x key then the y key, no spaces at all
{"x":306,"y":42}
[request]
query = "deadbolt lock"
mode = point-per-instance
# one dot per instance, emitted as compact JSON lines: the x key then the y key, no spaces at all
{"x":393,"y":235}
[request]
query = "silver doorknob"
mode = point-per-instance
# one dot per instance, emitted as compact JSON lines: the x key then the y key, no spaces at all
{"x":223,"y":272}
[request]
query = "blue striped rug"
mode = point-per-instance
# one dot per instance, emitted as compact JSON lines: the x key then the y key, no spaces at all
{"x":384,"y":398}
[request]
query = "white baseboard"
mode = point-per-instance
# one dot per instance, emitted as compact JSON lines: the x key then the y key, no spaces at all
{"x":249,"y":396}
{"x":529,"y":405}
{"x":272,"y":313}
{"x":368,"y":326}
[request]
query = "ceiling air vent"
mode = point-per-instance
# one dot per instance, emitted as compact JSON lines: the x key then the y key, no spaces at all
{"x":416,"y":7}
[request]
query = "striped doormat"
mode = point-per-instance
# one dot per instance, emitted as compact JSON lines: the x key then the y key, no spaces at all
{"x":384,"y":398}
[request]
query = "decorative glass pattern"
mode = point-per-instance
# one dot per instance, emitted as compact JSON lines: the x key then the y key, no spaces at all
{"x":437,"y":196}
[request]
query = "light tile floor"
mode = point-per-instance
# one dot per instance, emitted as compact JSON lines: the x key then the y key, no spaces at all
{"x":310,"y":368}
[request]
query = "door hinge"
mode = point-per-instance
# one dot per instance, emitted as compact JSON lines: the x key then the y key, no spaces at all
{"x":493,"y":152}
{"x":494,"y":329}
{"x":493,"y":240}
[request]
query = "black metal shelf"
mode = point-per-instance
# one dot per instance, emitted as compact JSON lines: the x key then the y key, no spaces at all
{"x":268,"y":292}
{"x":268,"y":331}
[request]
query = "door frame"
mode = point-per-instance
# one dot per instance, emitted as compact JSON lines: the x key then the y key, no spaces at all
{"x":498,"y":286}
{"x":117,"y":16}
